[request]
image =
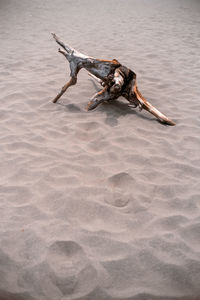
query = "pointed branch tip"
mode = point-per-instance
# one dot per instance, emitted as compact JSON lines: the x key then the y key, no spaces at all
{"x":54,"y":35}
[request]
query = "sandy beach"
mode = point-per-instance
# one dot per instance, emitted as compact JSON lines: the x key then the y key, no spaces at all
{"x":99,"y":205}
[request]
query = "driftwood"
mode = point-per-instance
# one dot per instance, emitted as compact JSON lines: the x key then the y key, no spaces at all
{"x":116,"y":80}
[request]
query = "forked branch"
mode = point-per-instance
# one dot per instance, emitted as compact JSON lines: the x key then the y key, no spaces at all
{"x":116,"y":79}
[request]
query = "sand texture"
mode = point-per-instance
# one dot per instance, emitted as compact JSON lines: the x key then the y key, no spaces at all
{"x":105,"y":204}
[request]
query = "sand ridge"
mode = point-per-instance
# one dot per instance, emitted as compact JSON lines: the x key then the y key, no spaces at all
{"x":104,"y":204}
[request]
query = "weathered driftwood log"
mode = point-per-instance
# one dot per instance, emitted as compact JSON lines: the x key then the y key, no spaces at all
{"x":116,"y":80}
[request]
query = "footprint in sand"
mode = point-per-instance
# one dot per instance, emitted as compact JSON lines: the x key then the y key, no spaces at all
{"x":121,"y":181}
{"x":71,"y":269}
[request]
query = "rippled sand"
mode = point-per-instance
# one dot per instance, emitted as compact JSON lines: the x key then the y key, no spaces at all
{"x":99,"y":205}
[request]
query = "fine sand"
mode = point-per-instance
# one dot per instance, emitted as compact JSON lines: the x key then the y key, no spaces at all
{"x":99,"y":205}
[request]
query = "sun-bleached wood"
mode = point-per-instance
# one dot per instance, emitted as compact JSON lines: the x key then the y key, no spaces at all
{"x":116,"y":80}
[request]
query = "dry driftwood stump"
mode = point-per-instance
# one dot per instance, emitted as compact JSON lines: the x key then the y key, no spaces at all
{"x":116,"y":80}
